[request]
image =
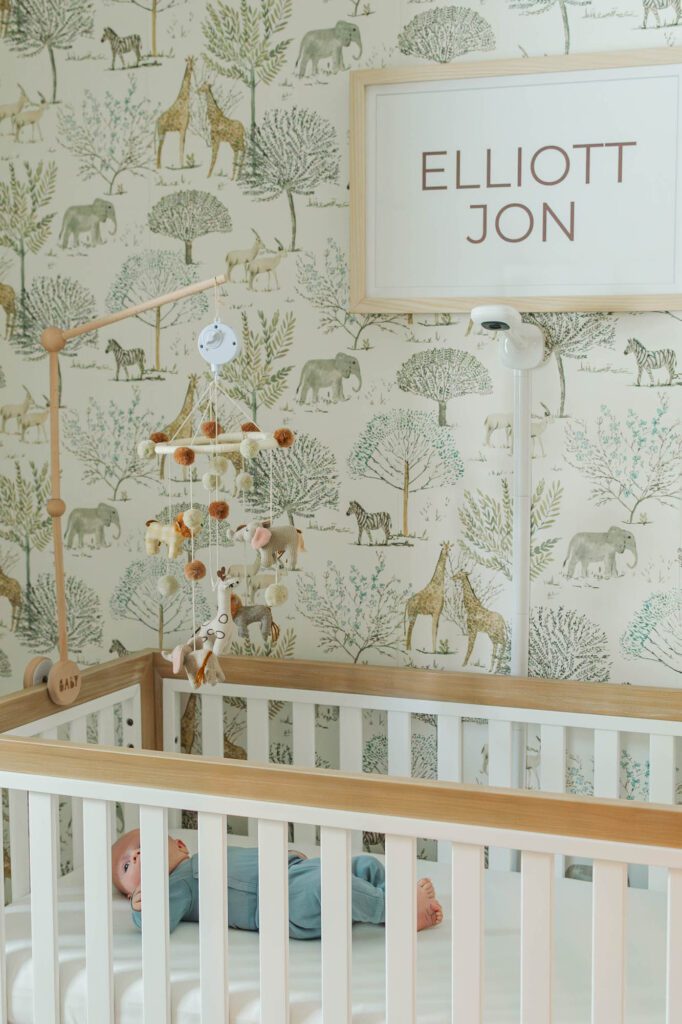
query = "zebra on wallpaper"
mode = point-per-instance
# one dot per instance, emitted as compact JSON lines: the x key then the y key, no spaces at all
{"x":122,"y":44}
{"x":370,"y":521}
{"x":126,"y":357}
{"x":662,"y":358}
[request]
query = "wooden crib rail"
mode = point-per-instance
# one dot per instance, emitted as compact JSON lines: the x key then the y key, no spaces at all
{"x":311,"y":792}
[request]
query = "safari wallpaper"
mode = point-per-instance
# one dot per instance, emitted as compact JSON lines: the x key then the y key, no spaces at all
{"x":148,"y":144}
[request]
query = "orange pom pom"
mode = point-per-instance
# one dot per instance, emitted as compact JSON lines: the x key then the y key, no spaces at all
{"x":158,"y":437}
{"x":184,"y":456}
{"x":248,"y":427}
{"x":219,"y":510}
{"x":211,"y":428}
{"x":284,"y":437}
{"x":195,"y":570}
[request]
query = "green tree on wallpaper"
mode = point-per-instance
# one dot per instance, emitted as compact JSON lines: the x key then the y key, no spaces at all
{"x":155,"y":8}
{"x":441,"y":374}
{"x":252,"y":378}
{"x":136,"y":597}
{"x":111,"y":136}
{"x":445,"y":33}
{"x":303,"y":479}
{"x":629,"y":462}
{"x":23,"y":228}
{"x":23,"y":518}
{"x":84,"y":621}
{"x":564,"y":644}
{"x":488,"y":527}
{"x":149,"y":273}
{"x":408,"y":451}
{"x":655,"y":633}
{"x":293,"y":152}
{"x":45,"y":25}
{"x":240,"y":42}
{"x":326,"y":287}
{"x":188,"y":215}
{"x":5,"y":671}
{"x":106,"y":443}
{"x":572,"y":336}
{"x":540,"y":6}
{"x":358,"y":614}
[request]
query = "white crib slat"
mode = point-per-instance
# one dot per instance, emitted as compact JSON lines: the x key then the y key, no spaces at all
{"x":661,"y":789}
{"x":449,"y":732}
{"x":674,"y":949}
{"x":537,"y":911}
{"x":213,"y":918}
{"x":500,"y":773}
{"x":106,"y":727}
{"x":608,"y":941}
{"x":553,"y":771}
{"x":212,"y":731}
{"x":467,"y":933}
{"x":132,"y":738}
{"x":257,"y":740}
{"x":273,"y":910}
{"x":18,"y":842}
{"x":336,"y":926}
{"x":3,"y":957}
{"x":50,"y":734}
{"x":42,"y":815}
{"x":98,"y":912}
{"x":171,"y":740}
{"x":155,"y":936}
{"x":401,"y":929}
{"x":606,"y":763}
{"x":399,"y":731}
{"x":350,"y":754}
{"x":78,"y":733}
{"x":304,"y":757}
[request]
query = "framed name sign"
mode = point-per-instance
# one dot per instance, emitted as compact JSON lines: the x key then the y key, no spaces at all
{"x":553,"y":183}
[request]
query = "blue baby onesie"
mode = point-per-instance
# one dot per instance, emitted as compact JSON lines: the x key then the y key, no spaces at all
{"x":367,"y":899}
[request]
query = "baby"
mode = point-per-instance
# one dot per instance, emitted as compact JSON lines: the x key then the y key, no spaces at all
{"x":367,"y":903}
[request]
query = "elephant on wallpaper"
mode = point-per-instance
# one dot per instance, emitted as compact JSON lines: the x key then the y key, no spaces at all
{"x":91,"y":521}
{"x":328,"y":373}
{"x":327,"y":43}
{"x":586,"y":548}
{"x":79,"y":219}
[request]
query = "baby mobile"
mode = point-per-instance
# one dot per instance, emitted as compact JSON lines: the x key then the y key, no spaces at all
{"x":198,"y":656}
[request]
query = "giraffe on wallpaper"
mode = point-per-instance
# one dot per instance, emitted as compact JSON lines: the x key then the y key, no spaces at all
{"x":481,"y":620}
{"x":176,"y":118}
{"x":429,"y":600}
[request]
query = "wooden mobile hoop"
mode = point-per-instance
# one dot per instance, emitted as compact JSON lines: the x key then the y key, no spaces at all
{"x":63,"y":677}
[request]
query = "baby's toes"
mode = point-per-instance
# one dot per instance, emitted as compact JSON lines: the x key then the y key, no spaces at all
{"x":427,"y":885}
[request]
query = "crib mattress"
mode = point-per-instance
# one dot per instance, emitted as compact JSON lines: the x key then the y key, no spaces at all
{"x":645,"y":1003}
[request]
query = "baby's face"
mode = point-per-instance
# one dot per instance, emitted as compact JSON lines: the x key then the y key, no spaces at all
{"x":126,"y":860}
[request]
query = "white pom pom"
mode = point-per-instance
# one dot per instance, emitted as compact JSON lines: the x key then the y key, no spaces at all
{"x":218,"y":464}
{"x":276,"y":594}
{"x":146,"y":450}
{"x":249,"y":449}
{"x":211,"y":481}
{"x":191,"y":517}
{"x":244,"y":482}
{"x":168,"y":585}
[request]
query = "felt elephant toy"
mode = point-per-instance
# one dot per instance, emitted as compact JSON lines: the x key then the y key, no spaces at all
{"x":79,"y":219}
{"x":327,"y":43}
{"x":272,"y":542}
{"x":173,"y":534}
{"x":328,"y":373}
{"x":200,"y":665}
{"x":91,"y":522}
{"x":586,"y":548}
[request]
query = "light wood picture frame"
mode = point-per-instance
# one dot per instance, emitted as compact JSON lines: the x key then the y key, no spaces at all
{"x":589,"y":162}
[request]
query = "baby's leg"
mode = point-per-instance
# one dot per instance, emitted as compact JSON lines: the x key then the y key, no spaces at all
{"x":368,"y":895}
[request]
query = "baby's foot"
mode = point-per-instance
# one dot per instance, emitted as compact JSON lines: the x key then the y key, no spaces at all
{"x":429,"y":910}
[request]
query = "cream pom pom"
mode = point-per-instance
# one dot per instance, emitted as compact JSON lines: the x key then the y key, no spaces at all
{"x":249,"y":449}
{"x":211,"y":481}
{"x":146,"y":449}
{"x":276,"y":594}
{"x":218,"y":464}
{"x":191,"y":517}
{"x":168,"y":585}
{"x":244,"y":482}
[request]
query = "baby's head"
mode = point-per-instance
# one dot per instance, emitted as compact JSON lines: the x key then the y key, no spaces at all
{"x":126,"y":863}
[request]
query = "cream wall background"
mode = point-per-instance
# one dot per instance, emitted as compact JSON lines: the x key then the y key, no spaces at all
{"x":611,"y":451}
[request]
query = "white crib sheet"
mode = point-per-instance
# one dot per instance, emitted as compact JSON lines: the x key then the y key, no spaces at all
{"x":646,"y":961}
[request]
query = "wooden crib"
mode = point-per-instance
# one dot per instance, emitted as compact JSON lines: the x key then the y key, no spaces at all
{"x":152,"y":781}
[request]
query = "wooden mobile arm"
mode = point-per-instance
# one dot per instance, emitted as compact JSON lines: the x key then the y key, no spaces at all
{"x":64,"y":680}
